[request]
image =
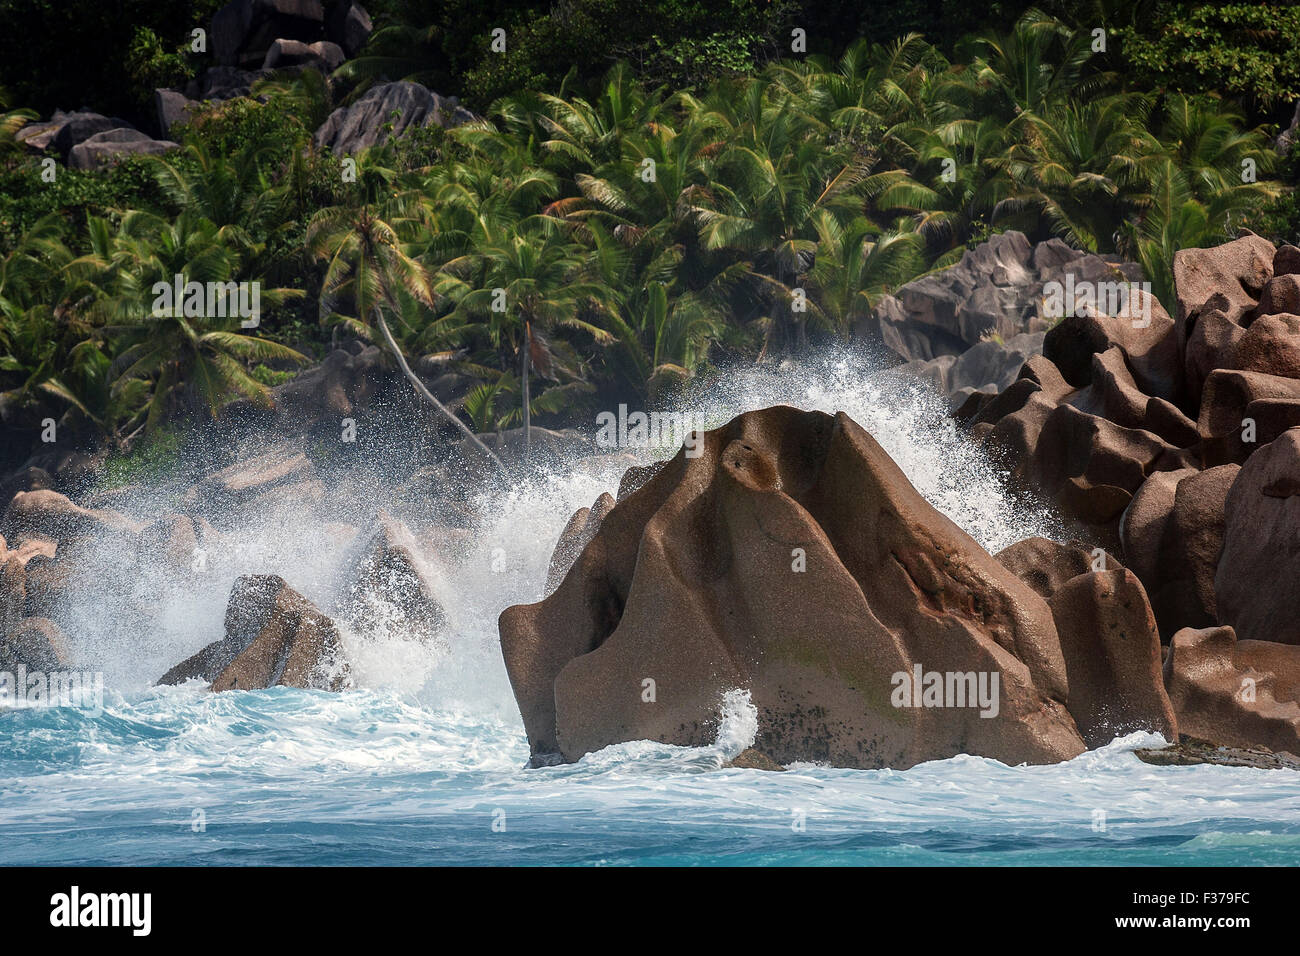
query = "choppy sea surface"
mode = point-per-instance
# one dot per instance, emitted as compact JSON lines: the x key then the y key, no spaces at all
{"x":180,"y":777}
{"x":423,"y":763}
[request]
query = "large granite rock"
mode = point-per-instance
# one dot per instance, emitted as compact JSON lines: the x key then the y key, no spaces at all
{"x":1235,"y":693}
{"x":349,"y":25}
{"x":404,"y":105}
{"x":115,"y":144}
{"x":996,"y":289}
{"x":335,"y":389}
{"x":386,"y":588}
{"x":48,"y":514}
{"x":1146,"y":433}
{"x":321,"y":55}
{"x":223,"y":83}
{"x":174,"y":108}
{"x":62,"y":131}
{"x":35,"y":643}
{"x":577,"y":534}
{"x":793,"y":558}
{"x":1256,"y":585}
{"x":73,"y":129}
{"x":283,"y":473}
{"x":1108,"y":637}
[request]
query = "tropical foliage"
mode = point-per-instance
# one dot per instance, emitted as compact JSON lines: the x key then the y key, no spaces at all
{"x":578,"y":246}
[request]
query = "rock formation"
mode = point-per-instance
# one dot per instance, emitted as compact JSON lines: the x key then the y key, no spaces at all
{"x":384,"y":585}
{"x":969,"y":328}
{"x":1141,"y":426}
{"x":793,"y":559}
{"x":1235,"y":693}
{"x":1175,"y":440}
{"x":274,"y":638}
{"x":385,"y":111}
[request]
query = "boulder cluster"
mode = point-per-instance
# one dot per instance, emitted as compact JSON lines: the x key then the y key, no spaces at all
{"x":43,"y":535}
{"x":969,"y":328}
{"x":274,"y":636}
{"x":1174,"y":441}
{"x":794,"y":559}
{"x":249,"y":40}
{"x":84,"y":139}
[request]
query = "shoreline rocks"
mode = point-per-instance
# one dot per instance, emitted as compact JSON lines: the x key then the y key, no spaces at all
{"x":1189,"y":752}
{"x":1154,"y":436}
{"x":274,"y":638}
{"x":795,"y":560}
{"x":969,"y":328}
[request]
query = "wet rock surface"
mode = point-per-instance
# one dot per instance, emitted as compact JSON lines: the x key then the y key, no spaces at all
{"x":1189,"y":752}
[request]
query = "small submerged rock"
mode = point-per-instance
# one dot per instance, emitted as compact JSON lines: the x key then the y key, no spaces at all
{"x":751,"y":759}
{"x":1190,"y":751}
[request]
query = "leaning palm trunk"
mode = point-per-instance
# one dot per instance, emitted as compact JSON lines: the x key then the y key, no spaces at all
{"x":528,"y":413}
{"x":428,"y":395}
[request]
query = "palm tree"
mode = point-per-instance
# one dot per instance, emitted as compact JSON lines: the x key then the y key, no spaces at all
{"x":1039,"y":62}
{"x":189,"y":360}
{"x":11,"y":121}
{"x":577,"y":135}
{"x":957,"y":188}
{"x":773,"y":179}
{"x":1175,"y":220}
{"x":365,"y":260}
{"x":661,"y":334}
{"x":89,"y":387}
{"x":1208,"y":143}
{"x":1087,"y":166}
{"x":522,"y":278}
{"x":857,"y":264}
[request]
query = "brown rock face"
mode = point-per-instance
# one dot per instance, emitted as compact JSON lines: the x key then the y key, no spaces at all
{"x":1227,"y":395}
{"x":1236,"y":693}
{"x":1047,"y":565}
{"x":1230,"y":276}
{"x":1138,"y":435}
{"x":1112,"y":657}
{"x":1173,"y":534}
{"x":282,"y":472}
{"x":171,"y":538}
{"x":1091,"y":465}
{"x":1108,"y":638}
{"x":794,"y":559}
{"x":48,"y":514}
{"x":275,"y":637}
{"x":582,"y":527}
{"x":1149,"y":345}
{"x":13,"y":592}
{"x":1256,"y":583}
{"x":752,"y":759}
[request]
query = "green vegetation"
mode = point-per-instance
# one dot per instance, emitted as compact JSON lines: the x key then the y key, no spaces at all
{"x":154,"y":456}
{"x":56,"y":54}
{"x":583,"y":243}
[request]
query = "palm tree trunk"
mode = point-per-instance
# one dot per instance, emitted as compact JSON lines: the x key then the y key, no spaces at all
{"x":803,"y":323}
{"x":428,"y":395}
{"x":528,"y":414}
